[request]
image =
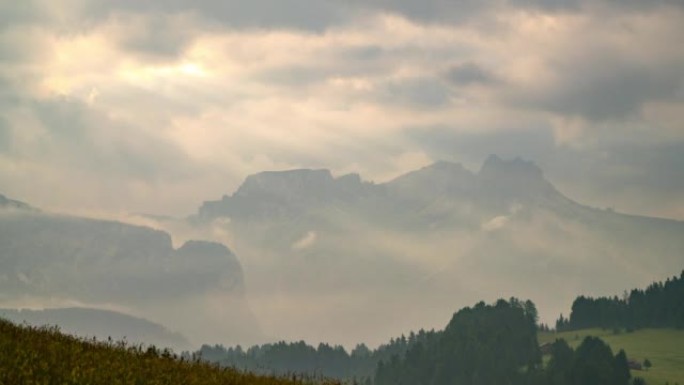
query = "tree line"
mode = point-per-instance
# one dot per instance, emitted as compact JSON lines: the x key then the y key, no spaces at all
{"x":325,"y":360}
{"x":497,"y":344}
{"x":660,"y":305}
{"x":365,"y":366}
{"x":485,"y":344}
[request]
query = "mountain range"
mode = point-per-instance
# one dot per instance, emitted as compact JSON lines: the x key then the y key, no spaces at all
{"x":338,"y":258}
{"x":403,"y":254}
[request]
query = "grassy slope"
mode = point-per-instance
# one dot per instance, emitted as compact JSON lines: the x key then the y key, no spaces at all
{"x":45,"y":356}
{"x":663,"y":347}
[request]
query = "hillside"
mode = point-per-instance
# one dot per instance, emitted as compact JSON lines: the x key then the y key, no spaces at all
{"x":37,"y":356}
{"x":101,"y":324}
{"x":663,"y":347}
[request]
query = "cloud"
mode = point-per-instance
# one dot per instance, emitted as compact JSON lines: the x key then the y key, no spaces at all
{"x":425,"y":92}
{"x":470,"y":11}
{"x":305,"y":242}
{"x":155,"y":36}
{"x":464,"y":74}
{"x":186,"y":99}
{"x":299,"y":14}
{"x":600,"y":87}
{"x":495,"y":223}
{"x":599,"y":70}
{"x":13,"y":13}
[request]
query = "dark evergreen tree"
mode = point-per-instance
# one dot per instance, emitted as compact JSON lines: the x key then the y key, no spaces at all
{"x":486,"y":344}
{"x":647,"y":364}
{"x":621,"y":373}
{"x":559,"y":370}
{"x":593,"y":363}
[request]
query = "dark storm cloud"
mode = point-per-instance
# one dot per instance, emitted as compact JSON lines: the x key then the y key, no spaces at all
{"x":314,"y":15}
{"x":300,"y":14}
{"x":158,"y":36}
{"x":548,"y":5}
{"x":469,"y":73}
{"x":21,"y":12}
{"x":456,"y":11}
{"x":459,"y":11}
{"x":433,"y":10}
{"x":599,"y":87}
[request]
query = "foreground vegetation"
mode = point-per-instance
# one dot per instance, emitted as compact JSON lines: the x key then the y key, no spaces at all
{"x":662,"y":347}
{"x":45,"y":356}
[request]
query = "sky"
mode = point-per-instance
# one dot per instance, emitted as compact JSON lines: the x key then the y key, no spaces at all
{"x":136,"y":106}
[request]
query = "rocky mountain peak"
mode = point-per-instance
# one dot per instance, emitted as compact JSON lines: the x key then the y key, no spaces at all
{"x":498,"y":183}
{"x":285,"y":182}
{"x":515,"y":180}
{"x":495,"y":167}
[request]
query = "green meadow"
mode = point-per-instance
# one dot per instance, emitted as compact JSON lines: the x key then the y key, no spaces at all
{"x":663,"y":347}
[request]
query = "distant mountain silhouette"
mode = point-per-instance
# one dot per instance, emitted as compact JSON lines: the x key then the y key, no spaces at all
{"x":288,"y":193}
{"x":437,"y":238}
{"x":495,"y":187}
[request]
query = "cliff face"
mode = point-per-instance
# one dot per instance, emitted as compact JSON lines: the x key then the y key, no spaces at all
{"x":48,"y":259}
